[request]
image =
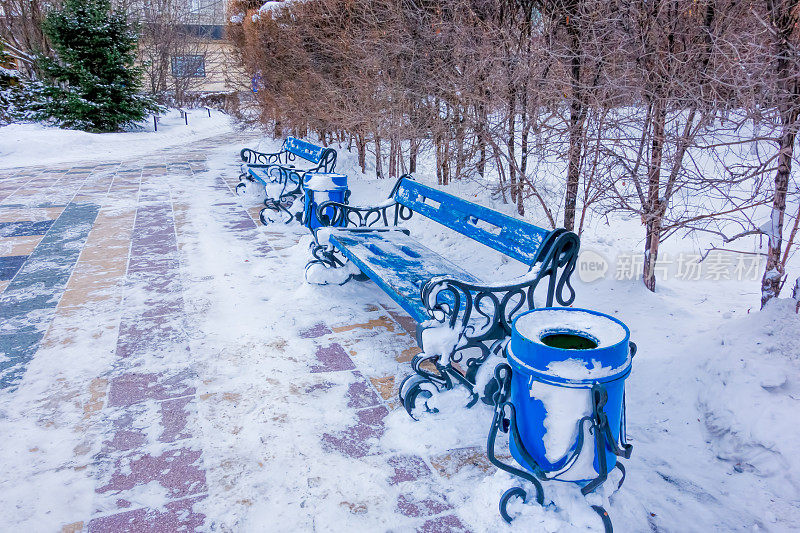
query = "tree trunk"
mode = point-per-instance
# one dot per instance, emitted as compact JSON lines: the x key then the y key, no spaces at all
{"x":789,"y":86}
{"x":523,"y":164}
{"x":512,"y":155}
{"x":393,"y":156}
{"x":361,"y":146}
{"x":481,"y":137}
{"x":412,"y":158}
{"x":654,"y":210}
{"x":378,"y":157}
{"x":576,"y":117}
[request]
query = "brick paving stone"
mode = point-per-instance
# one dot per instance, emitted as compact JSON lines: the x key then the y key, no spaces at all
{"x":407,"y":468}
{"x":176,"y":516}
{"x":360,"y":393}
{"x":131,"y":425}
{"x":178,"y":471}
{"x":10,"y":265}
{"x":355,"y":440}
{"x":443,"y":524}
{"x":453,"y":461}
{"x":317,"y":330}
{"x":147,"y":407}
{"x":130,"y":388}
{"x":24,"y":228}
{"x":411,"y":505}
{"x":146,"y":336}
{"x":152,"y":293}
{"x":332,"y":358}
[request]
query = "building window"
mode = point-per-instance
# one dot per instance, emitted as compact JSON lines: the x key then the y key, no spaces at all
{"x":189,"y":66}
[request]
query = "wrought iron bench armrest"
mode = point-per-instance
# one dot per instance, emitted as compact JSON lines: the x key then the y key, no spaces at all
{"x":388,"y":213}
{"x":449,"y":299}
{"x":253,"y":157}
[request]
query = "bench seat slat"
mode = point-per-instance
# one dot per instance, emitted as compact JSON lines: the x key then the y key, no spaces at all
{"x":265,"y":175}
{"x":397,"y":263}
{"x":260,"y":174}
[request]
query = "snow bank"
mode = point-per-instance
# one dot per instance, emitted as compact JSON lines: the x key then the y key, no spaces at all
{"x":36,"y":144}
{"x":749,"y":396}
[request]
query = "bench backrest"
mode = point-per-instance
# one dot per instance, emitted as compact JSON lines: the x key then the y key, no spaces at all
{"x":303,"y":149}
{"x":510,"y":236}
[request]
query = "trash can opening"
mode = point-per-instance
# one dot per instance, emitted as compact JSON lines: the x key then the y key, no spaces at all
{"x":569,"y":341}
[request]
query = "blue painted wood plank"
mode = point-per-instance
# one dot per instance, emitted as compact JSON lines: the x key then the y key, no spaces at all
{"x":515,"y":238}
{"x":303,"y":149}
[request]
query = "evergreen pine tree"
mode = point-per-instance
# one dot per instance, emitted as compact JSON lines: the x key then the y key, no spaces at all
{"x":91,"y":83}
{"x":11,"y":88}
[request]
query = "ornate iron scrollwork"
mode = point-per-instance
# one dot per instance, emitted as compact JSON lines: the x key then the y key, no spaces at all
{"x":251,"y":157}
{"x":484,"y":313}
{"x":389,"y":213}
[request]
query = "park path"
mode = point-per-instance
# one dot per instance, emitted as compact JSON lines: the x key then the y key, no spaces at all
{"x":164,"y":368}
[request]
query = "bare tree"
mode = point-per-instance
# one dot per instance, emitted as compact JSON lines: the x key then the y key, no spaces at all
{"x":781,"y":18}
{"x":174,"y":40}
{"x":21,"y":30}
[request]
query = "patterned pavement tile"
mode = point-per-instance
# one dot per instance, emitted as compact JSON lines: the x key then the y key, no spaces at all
{"x":454,"y":461}
{"x":331,"y":358}
{"x":10,"y":265}
{"x":19,"y":245}
{"x":156,"y":336}
{"x":356,"y":440}
{"x":443,"y":524}
{"x":145,"y":423}
{"x":143,"y":409}
{"x":177,"y":471}
{"x":130,"y":388}
{"x":176,"y":516}
{"x":317,"y":330}
{"x":27,"y":305}
{"x":407,"y":468}
{"x":24,"y":228}
{"x":33,"y":214}
{"x":411,"y":505}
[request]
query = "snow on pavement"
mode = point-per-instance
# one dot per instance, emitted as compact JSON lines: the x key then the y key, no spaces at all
{"x":183,"y":376}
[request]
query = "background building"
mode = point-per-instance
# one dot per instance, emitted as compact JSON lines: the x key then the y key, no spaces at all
{"x":184,"y":50}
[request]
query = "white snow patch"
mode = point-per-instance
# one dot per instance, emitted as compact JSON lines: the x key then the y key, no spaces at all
{"x":36,"y":144}
{"x":439,"y":340}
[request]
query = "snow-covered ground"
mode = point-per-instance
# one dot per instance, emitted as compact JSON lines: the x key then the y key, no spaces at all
{"x":712,"y":400}
{"x":34,"y":144}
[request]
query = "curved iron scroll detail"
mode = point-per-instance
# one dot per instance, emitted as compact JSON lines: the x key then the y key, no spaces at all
{"x":327,"y":160}
{"x":251,"y":157}
{"x":389,"y":213}
{"x":484,"y":313}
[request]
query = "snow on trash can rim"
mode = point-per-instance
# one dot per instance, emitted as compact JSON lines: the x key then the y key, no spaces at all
{"x":325,"y":181}
{"x":570,"y":346}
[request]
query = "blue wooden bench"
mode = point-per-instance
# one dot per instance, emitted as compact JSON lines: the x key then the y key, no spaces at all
{"x":279,"y":174}
{"x":441,"y":296}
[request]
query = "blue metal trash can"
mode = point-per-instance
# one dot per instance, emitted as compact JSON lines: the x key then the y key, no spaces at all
{"x":557,"y":356}
{"x":321,"y":187}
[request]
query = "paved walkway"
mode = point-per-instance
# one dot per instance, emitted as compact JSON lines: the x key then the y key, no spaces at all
{"x":164,"y":368}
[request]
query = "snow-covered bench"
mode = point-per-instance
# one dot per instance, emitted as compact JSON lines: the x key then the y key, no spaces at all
{"x":279,"y":175}
{"x":462,"y":321}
